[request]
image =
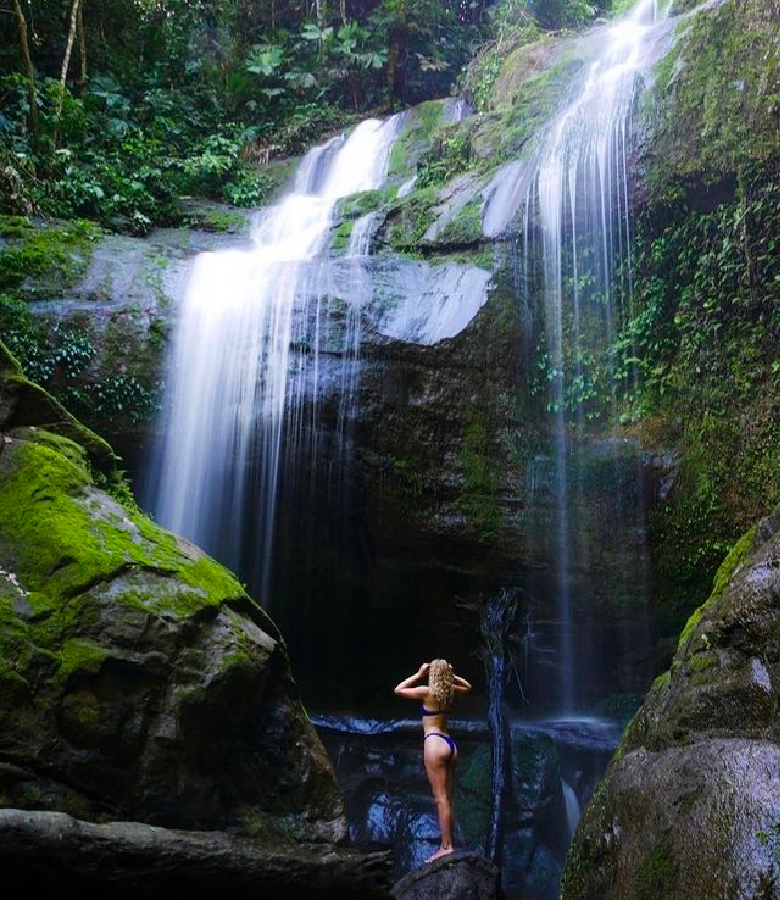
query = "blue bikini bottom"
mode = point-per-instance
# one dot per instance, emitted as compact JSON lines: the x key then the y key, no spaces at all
{"x":444,"y":737}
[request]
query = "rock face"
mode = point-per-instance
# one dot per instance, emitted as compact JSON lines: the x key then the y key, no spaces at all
{"x":422,"y":471}
{"x":139,"y":680}
{"x":460,"y":876}
{"x":690,"y":804}
{"x":45,"y":850}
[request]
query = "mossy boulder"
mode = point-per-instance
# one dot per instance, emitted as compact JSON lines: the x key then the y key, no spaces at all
{"x":138,"y":680}
{"x":690,"y":805}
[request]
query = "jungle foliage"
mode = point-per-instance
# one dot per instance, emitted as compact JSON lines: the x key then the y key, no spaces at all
{"x":112,"y":110}
{"x":706,"y":326}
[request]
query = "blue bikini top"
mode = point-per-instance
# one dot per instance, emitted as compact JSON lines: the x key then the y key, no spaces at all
{"x":432,"y":712}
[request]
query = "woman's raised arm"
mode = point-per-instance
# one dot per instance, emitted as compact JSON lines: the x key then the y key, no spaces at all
{"x":460,"y":684}
{"x":405,"y":688}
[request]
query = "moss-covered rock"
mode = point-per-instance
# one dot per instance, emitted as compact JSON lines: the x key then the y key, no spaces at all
{"x":707,"y":289}
{"x":139,"y":680}
{"x":690,"y":804}
{"x":40,"y":260}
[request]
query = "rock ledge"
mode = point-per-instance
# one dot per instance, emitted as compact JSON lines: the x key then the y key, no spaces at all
{"x":459,"y":876}
{"x":47,"y":850}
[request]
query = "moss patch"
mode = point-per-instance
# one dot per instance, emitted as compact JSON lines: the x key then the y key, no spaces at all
{"x":656,"y":877}
{"x":55,"y":256}
{"x":415,"y":138}
{"x":409,"y":221}
{"x":78,"y":655}
{"x":479,"y":497}
{"x":63,"y":537}
{"x":216,"y":220}
{"x":466,"y":227}
{"x":736,"y":556}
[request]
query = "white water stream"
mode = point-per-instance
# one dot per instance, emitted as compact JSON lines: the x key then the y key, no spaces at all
{"x":230,"y":380}
{"x":572,"y":196}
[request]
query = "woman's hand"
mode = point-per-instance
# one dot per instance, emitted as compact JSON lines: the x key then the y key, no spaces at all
{"x":460,"y":684}
{"x":406,"y":689}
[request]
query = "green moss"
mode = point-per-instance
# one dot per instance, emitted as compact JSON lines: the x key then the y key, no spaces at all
{"x":80,"y":656}
{"x":484,"y":257}
{"x":619,"y":8}
{"x":68,"y":448}
{"x":660,"y":682}
{"x":213,"y":220}
{"x":64,"y":539}
{"x":356,"y":205}
{"x":532,"y":106}
{"x":450,"y":154}
{"x":715,"y":94}
{"x":412,"y":218}
{"x":54,"y":257}
{"x":656,"y":877}
{"x":479,"y":496}
{"x":466,"y":227}
{"x":635,"y":729}
{"x":342,"y":235}
{"x":731,"y":563}
{"x":690,"y":626}
{"x":415,"y":137}
{"x":699,"y":665}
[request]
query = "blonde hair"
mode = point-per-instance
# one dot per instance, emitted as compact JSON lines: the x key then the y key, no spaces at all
{"x":440,"y":683}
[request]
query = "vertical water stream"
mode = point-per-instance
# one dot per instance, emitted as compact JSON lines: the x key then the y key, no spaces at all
{"x":235,"y":387}
{"x":571,"y":196}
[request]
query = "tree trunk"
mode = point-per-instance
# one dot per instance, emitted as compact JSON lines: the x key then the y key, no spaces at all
{"x":396,"y":52}
{"x":28,"y":67}
{"x":82,"y":47}
{"x":322,"y":21}
{"x":501,"y":757}
{"x":343,"y":11}
{"x":497,"y":619}
{"x":74,"y":14}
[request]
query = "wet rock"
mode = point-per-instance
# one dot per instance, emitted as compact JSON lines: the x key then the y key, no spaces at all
{"x":530,"y":870}
{"x":690,"y":803}
{"x":416,"y":836}
{"x":44,"y":851}
{"x":377,"y":821}
{"x":137,"y":677}
{"x":459,"y":876}
{"x":537,"y":796}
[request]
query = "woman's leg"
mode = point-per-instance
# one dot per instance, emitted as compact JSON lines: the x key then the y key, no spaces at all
{"x":451,"y":788}
{"x":438,"y":767}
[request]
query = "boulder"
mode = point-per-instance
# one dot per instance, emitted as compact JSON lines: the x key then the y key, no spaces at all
{"x":138,"y":680}
{"x":690,"y":805}
{"x":458,"y":876}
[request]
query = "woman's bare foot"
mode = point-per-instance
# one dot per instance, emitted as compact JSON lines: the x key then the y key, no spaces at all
{"x":442,"y":851}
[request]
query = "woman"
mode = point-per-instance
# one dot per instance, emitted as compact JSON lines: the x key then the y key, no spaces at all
{"x":439,"y":750}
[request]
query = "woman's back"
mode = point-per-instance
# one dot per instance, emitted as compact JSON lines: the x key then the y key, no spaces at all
{"x":433,"y":719}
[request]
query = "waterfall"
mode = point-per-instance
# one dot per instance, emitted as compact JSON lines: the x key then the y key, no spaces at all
{"x":572,"y":807}
{"x":236,"y":386}
{"x":571,"y":198}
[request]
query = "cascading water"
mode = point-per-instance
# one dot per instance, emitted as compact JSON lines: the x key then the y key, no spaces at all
{"x":572,"y":807}
{"x":235,"y":386}
{"x":573,"y":197}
